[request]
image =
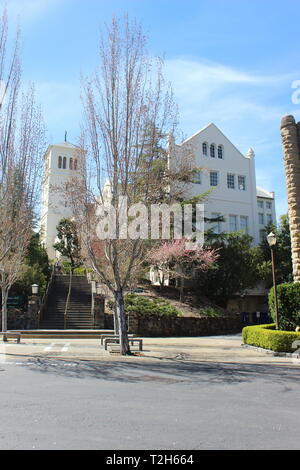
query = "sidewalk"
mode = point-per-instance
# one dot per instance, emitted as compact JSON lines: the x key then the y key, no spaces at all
{"x":217,"y":349}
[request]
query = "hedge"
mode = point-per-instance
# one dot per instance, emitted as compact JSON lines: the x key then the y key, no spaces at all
{"x":288,"y":296}
{"x":265,"y":336}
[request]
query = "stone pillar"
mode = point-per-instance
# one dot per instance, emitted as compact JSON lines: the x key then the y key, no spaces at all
{"x":33,"y":309}
{"x":98,"y":310}
{"x":290,"y":144}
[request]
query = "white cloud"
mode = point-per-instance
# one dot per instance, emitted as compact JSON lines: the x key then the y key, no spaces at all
{"x":247,"y":107}
{"x":29,"y":9}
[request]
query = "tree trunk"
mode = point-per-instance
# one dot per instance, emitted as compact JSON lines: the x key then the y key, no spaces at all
{"x":4,"y":309}
{"x":181,"y":289}
{"x":120,"y":308}
{"x":116,"y":320}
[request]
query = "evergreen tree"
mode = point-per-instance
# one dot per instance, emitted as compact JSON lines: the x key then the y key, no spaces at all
{"x":68,"y":244}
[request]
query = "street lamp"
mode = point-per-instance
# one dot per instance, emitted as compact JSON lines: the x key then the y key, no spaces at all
{"x":35,"y":289}
{"x":271,"y":238}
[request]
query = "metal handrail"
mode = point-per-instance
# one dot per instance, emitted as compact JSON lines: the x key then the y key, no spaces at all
{"x":45,"y":296}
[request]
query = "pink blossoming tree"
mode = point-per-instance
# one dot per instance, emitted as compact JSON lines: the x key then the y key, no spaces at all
{"x":176,"y":260}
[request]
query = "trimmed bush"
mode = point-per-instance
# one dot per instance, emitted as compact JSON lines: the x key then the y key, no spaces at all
{"x":265,"y":336}
{"x":288,"y":296}
{"x":147,"y":306}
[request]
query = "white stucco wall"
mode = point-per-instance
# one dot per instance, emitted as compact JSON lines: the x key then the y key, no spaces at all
{"x":223,"y":200}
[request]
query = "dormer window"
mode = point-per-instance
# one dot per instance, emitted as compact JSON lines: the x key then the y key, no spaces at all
{"x":212,"y":150}
{"x":59,"y":162}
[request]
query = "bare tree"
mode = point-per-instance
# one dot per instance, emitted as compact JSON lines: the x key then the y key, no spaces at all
{"x":22,"y":139}
{"x":130,"y":113}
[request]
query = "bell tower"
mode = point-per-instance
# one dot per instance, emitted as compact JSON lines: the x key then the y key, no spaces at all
{"x":61,"y":162}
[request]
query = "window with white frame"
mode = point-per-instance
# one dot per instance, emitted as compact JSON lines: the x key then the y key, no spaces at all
{"x":261,"y":219}
{"x":197,"y":177}
{"x":242,"y":183}
{"x":262,"y":235}
{"x":244,"y":223}
{"x":233,"y":223}
{"x":216,"y":225}
{"x":64,"y":163}
{"x":212,"y":150}
{"x":214,"y":178}
{"x":269,"y":218}
{"x":260,"y":204}
{"x":204,"y":148}
{"x":269,"y":205}
{"x":230,"y":181}
{"x":220,"y":151}
{"x":59,"y":162}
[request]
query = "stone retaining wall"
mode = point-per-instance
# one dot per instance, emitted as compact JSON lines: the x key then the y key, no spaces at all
{"x":154,"y":325}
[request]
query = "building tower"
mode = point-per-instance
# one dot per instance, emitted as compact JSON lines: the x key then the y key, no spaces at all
{"x":61,"y":162}
{"x":290,"y":143}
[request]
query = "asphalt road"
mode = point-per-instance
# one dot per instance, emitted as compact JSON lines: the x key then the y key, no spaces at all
{"x":168,"y":404}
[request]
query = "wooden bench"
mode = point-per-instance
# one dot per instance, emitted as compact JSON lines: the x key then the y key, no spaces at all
{"x":102,"y":337}
{"x":132,"y":341}
{"x":16,"y":336}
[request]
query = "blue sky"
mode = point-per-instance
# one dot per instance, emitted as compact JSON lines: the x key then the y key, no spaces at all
{"x":231,"y":62}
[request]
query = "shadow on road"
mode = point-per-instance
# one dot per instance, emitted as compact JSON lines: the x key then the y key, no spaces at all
{"x":167,"y":372}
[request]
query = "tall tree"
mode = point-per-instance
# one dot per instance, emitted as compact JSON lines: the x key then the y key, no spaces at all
{"x":283,"y":251}
{"x":126,"y":94}
{"x":237,"y":268}
{"x":69,"y":247}
{"x":21,"y":150}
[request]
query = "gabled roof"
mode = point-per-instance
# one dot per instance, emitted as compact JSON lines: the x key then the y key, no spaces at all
{"x":260,"y":192}
{"x":211,"y":124}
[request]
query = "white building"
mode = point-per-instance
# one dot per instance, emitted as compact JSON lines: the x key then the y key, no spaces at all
{"x":61,"y":163}
{"x":230,"y":176}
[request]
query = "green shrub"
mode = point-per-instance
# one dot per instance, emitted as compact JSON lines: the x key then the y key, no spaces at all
{"x":147,"y":306}
{"x":265,"y":336}
{"x":209,"y":312}
{"x":80,"y":271}
{"x":288,"y":296}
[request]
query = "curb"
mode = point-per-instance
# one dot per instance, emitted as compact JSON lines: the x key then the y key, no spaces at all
{"x":269,"y":351}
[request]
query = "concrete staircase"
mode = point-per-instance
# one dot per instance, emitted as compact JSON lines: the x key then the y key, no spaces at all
{"x":79,"y":313}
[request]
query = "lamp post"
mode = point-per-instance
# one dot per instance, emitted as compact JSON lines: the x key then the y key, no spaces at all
{"x":271,"y":238}
{"x":35,"y":289}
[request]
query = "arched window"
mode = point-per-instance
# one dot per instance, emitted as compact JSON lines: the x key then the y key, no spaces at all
{"x":59,"y":162}
{"x":75,"y":164}
{"x":220,"y":151}
{"x":71,"y":163}
{"x":64,"y":163}
{"x":212,"y":150}
{"x":204,"y":148}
